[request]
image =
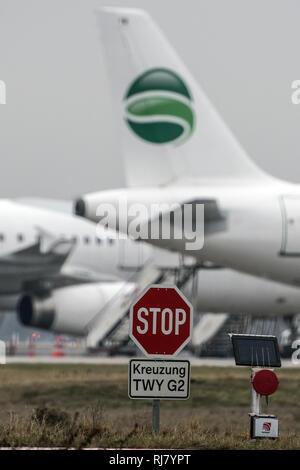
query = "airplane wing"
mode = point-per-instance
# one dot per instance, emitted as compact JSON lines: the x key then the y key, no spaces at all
{"x":212,"y":211}
{"x":36,"y":259}
{"x":192,"y":224}
{"x":39,"y":265}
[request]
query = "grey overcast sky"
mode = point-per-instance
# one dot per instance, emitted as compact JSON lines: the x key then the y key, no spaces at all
{"x":56,"y":130}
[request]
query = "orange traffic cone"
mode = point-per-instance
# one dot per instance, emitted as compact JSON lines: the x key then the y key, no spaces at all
{"x":58,"y":349}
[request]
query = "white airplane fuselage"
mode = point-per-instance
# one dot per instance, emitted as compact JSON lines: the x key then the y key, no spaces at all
{"x":259,"y":233}
{"x":112,"y":260}
{"x":261,"y":230}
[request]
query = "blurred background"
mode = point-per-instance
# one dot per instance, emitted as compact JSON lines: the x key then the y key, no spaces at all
{"x":58,"y":120}
{"x":56,"y":130}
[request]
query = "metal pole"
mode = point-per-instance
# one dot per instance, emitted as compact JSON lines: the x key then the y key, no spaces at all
{"x":255,"y":398}
{"x":155,"y":415}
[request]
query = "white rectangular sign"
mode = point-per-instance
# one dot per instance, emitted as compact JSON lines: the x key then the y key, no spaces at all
{"x":265,"y":427}
{"x":159,"y":378}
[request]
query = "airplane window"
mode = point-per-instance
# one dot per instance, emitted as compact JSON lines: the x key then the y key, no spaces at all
{"x":110,"y":241}
{"x":86,"y":240}
{"x":98,"y":241}
{"x":20,"y":237}
{"x":74,"y":239}
{"x":1,"y":237}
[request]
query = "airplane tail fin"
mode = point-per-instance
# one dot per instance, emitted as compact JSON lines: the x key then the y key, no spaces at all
{"x":168,"y":130}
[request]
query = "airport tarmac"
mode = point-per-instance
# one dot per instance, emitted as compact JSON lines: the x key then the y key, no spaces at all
{"x":195,"y":361}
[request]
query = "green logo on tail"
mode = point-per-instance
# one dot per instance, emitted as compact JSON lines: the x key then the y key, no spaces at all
{"x":159,"y":107}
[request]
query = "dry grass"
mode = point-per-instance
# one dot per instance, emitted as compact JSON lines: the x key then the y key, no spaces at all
{"x":79,"y":406}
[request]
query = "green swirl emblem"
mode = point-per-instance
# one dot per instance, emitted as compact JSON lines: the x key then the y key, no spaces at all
{"x":159,"y":107}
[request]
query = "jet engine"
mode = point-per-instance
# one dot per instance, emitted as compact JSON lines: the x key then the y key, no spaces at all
{"x":69,"y":310}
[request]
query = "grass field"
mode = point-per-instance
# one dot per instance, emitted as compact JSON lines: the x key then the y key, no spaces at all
{"x":88,"y":406}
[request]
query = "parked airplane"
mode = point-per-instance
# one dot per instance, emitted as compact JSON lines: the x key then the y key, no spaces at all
{"x":62,"y":276}
{"x":57,"y":272}
{"x":177,"y":150}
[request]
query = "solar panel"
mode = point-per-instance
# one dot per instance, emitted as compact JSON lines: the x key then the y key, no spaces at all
{"x":255,"y":350}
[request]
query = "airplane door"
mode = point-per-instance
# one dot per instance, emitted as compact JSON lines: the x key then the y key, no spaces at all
{"x":290,"y":208}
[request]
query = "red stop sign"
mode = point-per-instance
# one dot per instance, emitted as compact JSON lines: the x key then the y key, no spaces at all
{"x":161,"y":321}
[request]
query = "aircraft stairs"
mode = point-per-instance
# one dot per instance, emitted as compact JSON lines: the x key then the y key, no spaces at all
{"x":108,"y":331}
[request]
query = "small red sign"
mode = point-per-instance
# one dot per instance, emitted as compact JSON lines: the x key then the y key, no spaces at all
{"x":265,"y":382}
{"x":267,"y":427}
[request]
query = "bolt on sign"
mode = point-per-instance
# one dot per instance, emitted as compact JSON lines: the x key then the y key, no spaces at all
{"x":161,"y":321}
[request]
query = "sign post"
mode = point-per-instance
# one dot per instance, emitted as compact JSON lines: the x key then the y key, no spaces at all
{"x":261,"y":352}
{"x":155,"y":416}
{"x":161,"y":323}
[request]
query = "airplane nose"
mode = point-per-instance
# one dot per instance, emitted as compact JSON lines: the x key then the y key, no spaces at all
{"x":79,"y":207}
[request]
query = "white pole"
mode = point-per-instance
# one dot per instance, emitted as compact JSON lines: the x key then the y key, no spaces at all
{"x":255,"y":398}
